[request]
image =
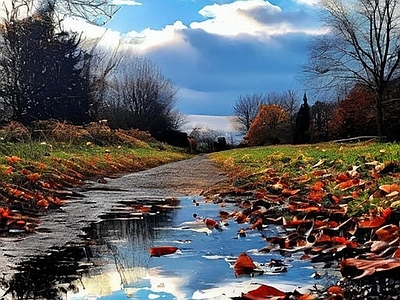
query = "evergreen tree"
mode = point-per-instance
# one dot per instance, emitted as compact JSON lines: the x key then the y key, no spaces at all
{"x":40,"y":70}
{"x":301,"y":132}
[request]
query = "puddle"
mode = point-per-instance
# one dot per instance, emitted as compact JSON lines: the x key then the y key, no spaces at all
{"x":115,"y":263}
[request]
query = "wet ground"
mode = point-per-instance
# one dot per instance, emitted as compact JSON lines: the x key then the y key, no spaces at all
{"x":65,"y":225}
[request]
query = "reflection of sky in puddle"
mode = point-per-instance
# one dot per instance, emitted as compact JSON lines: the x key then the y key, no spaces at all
{"x":197,"y":271}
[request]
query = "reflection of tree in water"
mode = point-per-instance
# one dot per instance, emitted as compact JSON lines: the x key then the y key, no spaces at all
{"x":125,"y":239}
{"x":128,"y":241}
{"x":48,"y":276}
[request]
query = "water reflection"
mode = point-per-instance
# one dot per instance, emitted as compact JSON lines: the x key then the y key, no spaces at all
{"x":49,"y":276}
{"x":122,"y":243}
{"x":199,"y":270}
{"x":114,"y":262}
{"x":113,"y":256}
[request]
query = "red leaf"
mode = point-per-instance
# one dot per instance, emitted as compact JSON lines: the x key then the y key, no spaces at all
{"x":372,"y":223}
{"x":264,"y":292}
{"x":162,"y":250}
{"x":244,"y":264}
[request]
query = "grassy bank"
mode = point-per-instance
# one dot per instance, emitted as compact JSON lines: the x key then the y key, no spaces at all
{"x":86,"y":159}
{"x":81,"y":151}
{"x":37,"y":170}
{"x":355,"y":170}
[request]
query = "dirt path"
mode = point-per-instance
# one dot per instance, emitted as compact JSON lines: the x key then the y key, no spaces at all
{"x":58,"y":227}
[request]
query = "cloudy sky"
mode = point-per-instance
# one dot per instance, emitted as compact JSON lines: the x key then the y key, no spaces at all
{"x":215,"y":51}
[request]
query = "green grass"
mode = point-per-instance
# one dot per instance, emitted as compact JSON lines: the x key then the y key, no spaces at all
{"x":291,"y":158}
{"x":88,"y":160}
{"x":319,"y":162}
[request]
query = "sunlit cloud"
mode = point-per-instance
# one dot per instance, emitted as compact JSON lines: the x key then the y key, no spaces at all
{"x":254,"y":17}
{"x":148,"y":38}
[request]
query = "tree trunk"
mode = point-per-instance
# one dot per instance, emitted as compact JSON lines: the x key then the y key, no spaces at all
{"x":380,"y":99}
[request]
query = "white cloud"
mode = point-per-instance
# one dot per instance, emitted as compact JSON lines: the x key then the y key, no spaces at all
{"x":253,"y":17}
{"x":149,"y":39}
{"x":91,"y":31}
{"x":308,"y":2}
{"x":217,"y":123}
{"x":126,"y":2}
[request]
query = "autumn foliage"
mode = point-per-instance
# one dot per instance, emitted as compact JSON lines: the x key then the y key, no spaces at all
{"x":354,"y":115}
{"x":270,"y":126}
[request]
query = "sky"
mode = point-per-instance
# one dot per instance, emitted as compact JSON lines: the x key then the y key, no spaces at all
{"x":216,"y":51}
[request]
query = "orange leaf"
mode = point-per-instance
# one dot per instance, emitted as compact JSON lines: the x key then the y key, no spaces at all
{"x":319,"y":185}
{"x":324,"y":238}
{"x":15,"y":193}
{"x":42,"y":203}
{"x":210,"y":223}
{"x":342,"y":178}
{"x":41,"y":166}
{"x":387,"y":233}
{"x":372,"y":223}
{"x":57,"y":201}
{"x":244,"y":264}
{"x":345,"y":184}
{"x":25,"y":171}
{"x":33,"y":177}
{"x":13,"y":159}
{"x":286,"y":192}
{"x":317,"y":195}
{"x":335,"y":289}
{"x":396,"y":253}
{"x":389,"y":188}
{"x":386,"y":212}
{"x":305,"y":209}
{"x":374,"y":175}
{"x":9,"y":170}
{"x":257,"y":224}
{"x":336,"y":199}
{"x":4,"y":212}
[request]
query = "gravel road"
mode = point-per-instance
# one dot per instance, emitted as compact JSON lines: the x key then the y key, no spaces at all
{"x":61,"y":226}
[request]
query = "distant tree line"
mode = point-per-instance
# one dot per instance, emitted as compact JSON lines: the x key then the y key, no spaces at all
{"x":352,"y":116}
{"x":47,"y":72}
{"x":354,"y":71}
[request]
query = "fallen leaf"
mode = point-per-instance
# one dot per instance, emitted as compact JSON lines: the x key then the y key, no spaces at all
{"x":162,"y":250}
{"x":264,"y":292}
{"x":244,"y":265}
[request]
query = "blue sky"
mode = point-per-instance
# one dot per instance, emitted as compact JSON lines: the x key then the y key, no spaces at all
{"x":215,"y":51}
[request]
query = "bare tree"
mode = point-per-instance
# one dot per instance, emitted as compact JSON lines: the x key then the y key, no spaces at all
{"x":99,"y":69}
{"x":206,"y":139}
{"x":362,"y":46}
{"x":286,"y":100}
{"x":97,"y":12}
{"x":245,"y":110}
{"x":147,"y":97}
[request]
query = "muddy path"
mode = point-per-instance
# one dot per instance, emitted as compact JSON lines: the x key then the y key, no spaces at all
{"x":64,"y":225}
